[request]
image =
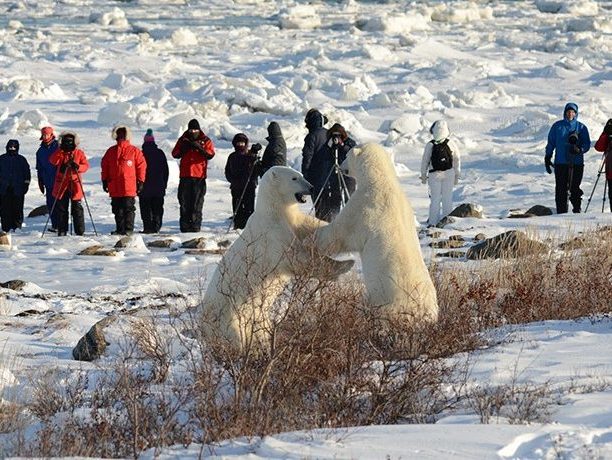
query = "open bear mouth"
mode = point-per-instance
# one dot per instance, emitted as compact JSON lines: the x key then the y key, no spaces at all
{"x":300,"y":198}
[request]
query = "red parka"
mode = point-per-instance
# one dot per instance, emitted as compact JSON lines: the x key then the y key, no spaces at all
{"x":194,"y":154}
{"x":122,"y":166}
{"x":69,"y":179}
{"x":604,"y":144}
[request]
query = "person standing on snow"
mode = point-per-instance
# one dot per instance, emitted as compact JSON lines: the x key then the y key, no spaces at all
{"x":123,"y":174}
{"x":275,"y":153}
{"x":195,"y":150}
{"x":604,"y":144}
{"x":569,"y":140}
{"x":441,"y":168}
{"x":70,"y":163}
{"x":45,"y":171}
{"x":314,"y":140}
{"x":240,"y":173}
{"x":151,"y":198}
{"x":14,"y":183}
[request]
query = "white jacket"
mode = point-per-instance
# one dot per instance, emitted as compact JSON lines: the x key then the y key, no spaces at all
{"x":426,"y":160}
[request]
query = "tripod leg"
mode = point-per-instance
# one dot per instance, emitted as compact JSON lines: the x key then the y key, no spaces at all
{"x":601,"y":168}
{"x":603,"y":204}
{"x":53,"y":207}
{"x":86,"y":204}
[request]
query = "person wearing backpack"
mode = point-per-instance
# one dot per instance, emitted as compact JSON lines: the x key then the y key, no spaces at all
{"x":441,"y":168}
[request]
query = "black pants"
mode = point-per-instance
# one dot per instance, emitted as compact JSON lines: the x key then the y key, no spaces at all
{"x":124,"y":209}
{"x":246,"y":208}
{"x":191,"y":193}
{"x":11,"y":211}
{"x":151,"y":212}
{"x":610,"y":193}
{"x":61,"y":212}
{"x":562,"y":178}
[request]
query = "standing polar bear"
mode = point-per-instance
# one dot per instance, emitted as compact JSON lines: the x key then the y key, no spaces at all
{"x":378,"y":222}
{"x":271,"y":250}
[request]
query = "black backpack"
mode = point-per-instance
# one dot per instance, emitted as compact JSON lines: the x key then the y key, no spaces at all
{"x":441,"y":157}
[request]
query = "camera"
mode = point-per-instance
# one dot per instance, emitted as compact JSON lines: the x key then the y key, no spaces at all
{"x":256,"y":148}
{"x":336,"y":138}
{"x":573,"y":138}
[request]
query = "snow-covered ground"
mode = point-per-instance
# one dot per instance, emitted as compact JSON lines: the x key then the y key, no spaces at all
{"x":500,"y":72}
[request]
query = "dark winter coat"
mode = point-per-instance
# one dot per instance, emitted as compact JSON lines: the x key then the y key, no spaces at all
{"x":323,"y":162}
{"x":237,"y":170}
{"x":68,"y":179}
{"x":604,"y":144}
{"x":14,"y":174}
{"x":194,"y":155}
{"x":558,"y":139}
{"x":46,"y":171}
{"x":123,"y":165}
{"x":314,"y":140}
{"x":275,"y":153}
{"x":156,"y":179}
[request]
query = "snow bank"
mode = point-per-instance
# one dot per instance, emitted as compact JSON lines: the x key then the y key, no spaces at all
{"x":118,"y":112}
{"x":184,"y":37}
{"x":582,"y":8}
{"x":114,"y":18}
{"x":409,"y":123}
{"x":25,"y":87}
{"x":362,"y":88}
{"x":447,"y":13}
{"x":400,"y":24}
{"x":114,"y":81}
{"x":299,"y":17}
{"x":379,"y":53}
{"x":23,"y":121}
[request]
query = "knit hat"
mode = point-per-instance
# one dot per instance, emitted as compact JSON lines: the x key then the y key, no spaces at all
{"x":193,"y":124}
{"x":148,"y":137}
{"x":12,"y":144}
{"x":240,"y":137}
{"x":46,"y":131}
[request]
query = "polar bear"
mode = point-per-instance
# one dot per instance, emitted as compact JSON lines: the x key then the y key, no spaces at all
{"x":272,"y":248}
{"x":378,"y":222}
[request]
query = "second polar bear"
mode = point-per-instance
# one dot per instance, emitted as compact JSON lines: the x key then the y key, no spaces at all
{"x":378,"y":222}
{"x":271,"y":250}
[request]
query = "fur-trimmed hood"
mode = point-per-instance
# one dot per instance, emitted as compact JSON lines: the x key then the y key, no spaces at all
{"x":77,"y":139}
{"x":128,"y":132}
{"x":439,"y":131}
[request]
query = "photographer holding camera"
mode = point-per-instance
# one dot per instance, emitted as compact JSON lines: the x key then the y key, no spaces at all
{"x":604,"y":144}
{"x":569,"y":140}
{"x":331,"y":187}
{"x":240,"y":171}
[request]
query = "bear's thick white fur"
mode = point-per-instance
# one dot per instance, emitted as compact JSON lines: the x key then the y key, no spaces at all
{"x":378,"y":222}
{"x":270,"y":250}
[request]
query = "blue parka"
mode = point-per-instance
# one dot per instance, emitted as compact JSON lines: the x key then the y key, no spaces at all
{"x":558,"y":139}
{"x":14,"y":174}
{"x":45,"y":170}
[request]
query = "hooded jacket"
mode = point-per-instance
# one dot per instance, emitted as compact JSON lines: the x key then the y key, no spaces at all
{"x":604,"y":144}
{"x":123,"y":165}
{"x":68,"y":179}
{"x":156,"y":178}
{"x":558,"y":139}
{"x":194,"y":154}
{"x":14,"y":174}
{"x":275,"y":153}
{"x":45,"y":170}
{"x":314,"y":140}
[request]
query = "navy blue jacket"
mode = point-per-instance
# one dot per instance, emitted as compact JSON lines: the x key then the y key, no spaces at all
{"x":14,"y":173}
{"x":46,"y":171}
{"x":558,"y":139}
{"x":323,"y":162}
{"x":156,"y":179}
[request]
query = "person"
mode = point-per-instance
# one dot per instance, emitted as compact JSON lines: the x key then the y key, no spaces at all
{"x":45,"y":171}
{"x":441,"y":168}
{"x":569,"y":140}
{"x":604,"y":144}
{"x":240,"y":173}
{"x":314,"y":140}
{"x":275,"y":153}
{"x":330,"y":186}
{"x":14,"y":183}
{"x":124,"y":171}
{"x":151,"y":198}
{"x":195,"y":150}
{"x":70,"y":162}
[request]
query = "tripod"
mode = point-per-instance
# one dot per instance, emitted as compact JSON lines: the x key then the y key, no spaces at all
{"x":335,"y":169}
{"x":246,"y":185}
{"x":601,"y":169}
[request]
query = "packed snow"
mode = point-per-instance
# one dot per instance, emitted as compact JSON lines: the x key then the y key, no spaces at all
{"x":499,"y":72}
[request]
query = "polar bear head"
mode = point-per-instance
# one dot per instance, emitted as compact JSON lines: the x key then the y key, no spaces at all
{"x":368,"y":162}
{"x":282,"y":185}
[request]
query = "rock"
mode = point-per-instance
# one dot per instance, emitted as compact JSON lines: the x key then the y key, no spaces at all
{"x":224,"y":243}
{"x":452,"y":254}
{"x":92,"y":345}
{"x":15,"y":285}
{"x":30,"y":312}
{"x":39,"y":211}
{"x":196,"y":243}
{"x":506,"y":245}
{"x":167,"y":243}
{"x":97,"y":250}
{"x":445,"y":221}
{"x":539,"y":210}
{"x":480,"y":237}
{"x":5,"y":239}
{"x":448,"y":244}
{"x":456,"y":238}
{"x":124,"y":242}
{"x":434,"y":233}
{"x":205,"y":252}
{"x":577,"y":242}
{"x":467,"y":210}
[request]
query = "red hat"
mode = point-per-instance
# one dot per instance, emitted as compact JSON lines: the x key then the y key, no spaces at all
{"x":46,"y":131}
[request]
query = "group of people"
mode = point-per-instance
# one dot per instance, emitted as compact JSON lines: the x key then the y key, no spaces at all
{"x":129,"y":171}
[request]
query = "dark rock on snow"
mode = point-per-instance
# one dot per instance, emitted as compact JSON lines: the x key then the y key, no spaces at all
{"x":39,"y":211}
{"x":506,"y":245}
{"x":93,"y":344}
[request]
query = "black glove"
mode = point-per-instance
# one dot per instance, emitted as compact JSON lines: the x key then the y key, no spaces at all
{"x":576,"y":150}
{"x":105,"y":186}
{"x":74,"y":165}
{"x":255,"y":148}
{"x":139,"y":187}
{"x":608,"y":127}
{"x":549,"y":165}
{"x":63,"y":168}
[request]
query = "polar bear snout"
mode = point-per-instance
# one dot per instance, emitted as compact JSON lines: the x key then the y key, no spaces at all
{"x":306,"y":189}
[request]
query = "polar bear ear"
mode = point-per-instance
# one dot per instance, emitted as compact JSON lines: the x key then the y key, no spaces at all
{"x":273,"y":173}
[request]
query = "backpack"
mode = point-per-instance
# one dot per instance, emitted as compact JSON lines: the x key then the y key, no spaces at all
{"x":441,"y":157}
